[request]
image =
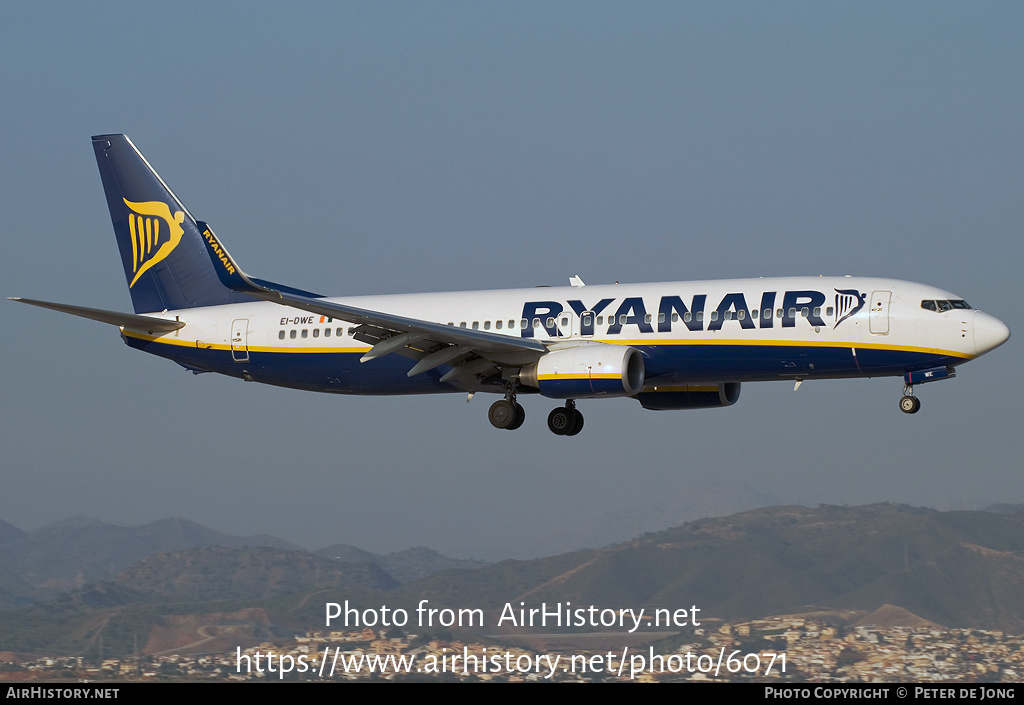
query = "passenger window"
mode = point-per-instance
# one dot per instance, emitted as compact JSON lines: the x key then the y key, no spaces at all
{"x":714,"y":315}
{"x":565,"y":322}
{"x":292,"y":335}
{"x":462,"y":324}
{"x":487,"y":325}
{"x":829,"y":311}
{"x":476,"y":325}
{"x":792,"y":313}
{"x":305,"y":333}
{"x":523,"y":323}
{"x":600,"y":320}
{"x":511,"y":324}
{"x":280,"y":335}
{"x":781,"y":312}
{"x":728,"y":315}
{"x":767,"y":314}
{"x":536,"y":323}
{"x":316,"y":332}
{"x":817,"y":311}
{"x":622,"y":320}
{"x":661,"y":318}
{"x":675,"y":317}
{"x":687,"y":317}
{"x":700,"y":315}
{"x":754,"y":314}
{"x":327,"y":332}
{"x":497,"y":325}
{"x":339,"y":332}
{"x":647,"y":318}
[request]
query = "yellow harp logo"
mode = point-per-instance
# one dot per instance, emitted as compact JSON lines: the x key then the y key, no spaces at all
{"x":151,"y":242}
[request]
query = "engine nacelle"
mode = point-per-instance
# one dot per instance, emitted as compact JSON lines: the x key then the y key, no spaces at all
{"x":590,"y":370}
{"x":690,"y":396}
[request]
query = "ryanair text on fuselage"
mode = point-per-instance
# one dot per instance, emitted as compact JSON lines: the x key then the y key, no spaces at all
{"x":673,"y":312}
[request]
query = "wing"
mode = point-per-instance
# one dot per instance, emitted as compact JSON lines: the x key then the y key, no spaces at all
{"x":468,"y":352}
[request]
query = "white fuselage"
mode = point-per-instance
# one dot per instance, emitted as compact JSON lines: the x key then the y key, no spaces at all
{"x":688,"y":332}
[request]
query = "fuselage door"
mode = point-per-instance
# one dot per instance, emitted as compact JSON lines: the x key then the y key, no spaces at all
{"x":239,"y":340}
{"x":879,"y":320}
{"x":583,"y":326}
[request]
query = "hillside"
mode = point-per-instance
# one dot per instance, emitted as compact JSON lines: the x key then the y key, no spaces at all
{"x":891,"y":563}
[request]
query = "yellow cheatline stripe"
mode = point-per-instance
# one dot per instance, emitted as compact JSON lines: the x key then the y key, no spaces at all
{"x":662,"y":342}
{"x":584,"y":375}
{"x":260,"y":348}
{"x":794,"y":344}
{"x":185,"y":343}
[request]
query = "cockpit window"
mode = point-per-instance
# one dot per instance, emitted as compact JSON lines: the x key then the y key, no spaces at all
{"x":944,"y":304}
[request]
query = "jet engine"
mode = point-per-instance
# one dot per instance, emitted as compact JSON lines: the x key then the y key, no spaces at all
{"x":586,"y":371}
{"x":689,"y":396}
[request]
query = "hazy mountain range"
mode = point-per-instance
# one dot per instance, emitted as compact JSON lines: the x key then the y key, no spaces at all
{"x":150,"y":588}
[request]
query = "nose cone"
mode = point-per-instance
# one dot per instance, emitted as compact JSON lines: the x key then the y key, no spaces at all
{"x":989,"y":332}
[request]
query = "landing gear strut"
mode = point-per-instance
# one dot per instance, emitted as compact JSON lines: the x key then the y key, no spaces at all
{"x":507,"y":413}
{"x":909,"y":404}
{"x":565,"y":420}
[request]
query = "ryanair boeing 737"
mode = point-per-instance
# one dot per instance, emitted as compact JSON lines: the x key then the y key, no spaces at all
{"x":676,"y":345}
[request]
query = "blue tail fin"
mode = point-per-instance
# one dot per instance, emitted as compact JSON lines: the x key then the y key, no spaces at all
{"x":165,"y":259}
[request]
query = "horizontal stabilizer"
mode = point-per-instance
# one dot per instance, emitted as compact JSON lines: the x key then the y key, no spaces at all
{"x":116,"y":318}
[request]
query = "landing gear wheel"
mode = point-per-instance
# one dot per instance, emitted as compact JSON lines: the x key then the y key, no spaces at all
{"x":502,"y":414}
{"x":562,"y":421}
{"x":910,"y":405}
{"x":520,"y":418}
{"x":579,"y":423}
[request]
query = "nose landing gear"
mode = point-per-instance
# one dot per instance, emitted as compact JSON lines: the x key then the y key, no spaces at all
{"x":909,"y":404}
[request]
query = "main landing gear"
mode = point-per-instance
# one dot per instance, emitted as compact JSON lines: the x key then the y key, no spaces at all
{"x":565,"y":420}
{"x":909,"y":404}
{"x":507,"y":413}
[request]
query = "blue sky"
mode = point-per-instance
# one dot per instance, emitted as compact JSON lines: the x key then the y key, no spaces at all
{"x":352,"y":148}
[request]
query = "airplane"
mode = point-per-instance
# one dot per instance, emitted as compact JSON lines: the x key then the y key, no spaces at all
{"x":674,"y":345}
